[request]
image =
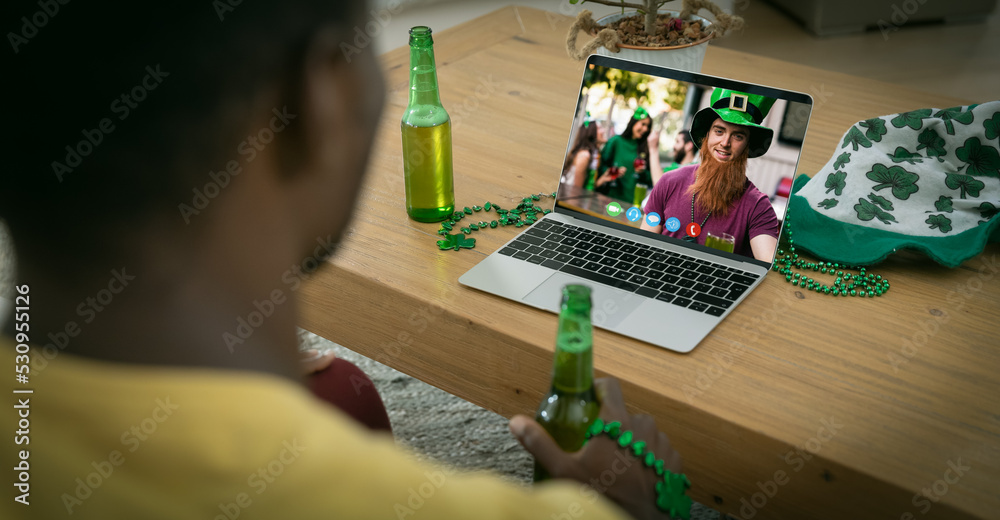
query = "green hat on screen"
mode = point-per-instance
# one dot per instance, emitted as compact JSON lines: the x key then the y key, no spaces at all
{"x":738,"y":108}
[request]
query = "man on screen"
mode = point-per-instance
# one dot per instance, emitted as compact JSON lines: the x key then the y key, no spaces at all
{"x":685,"y":151}
{"x":715,"y":195}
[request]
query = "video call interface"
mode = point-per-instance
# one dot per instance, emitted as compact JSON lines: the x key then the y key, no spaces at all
{"x":633,"y":158}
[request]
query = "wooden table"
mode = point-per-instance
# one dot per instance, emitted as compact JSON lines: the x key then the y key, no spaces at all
{"x":791,"y":407}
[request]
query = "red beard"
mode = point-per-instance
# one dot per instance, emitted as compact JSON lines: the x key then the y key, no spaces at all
{"x":718,"y":184}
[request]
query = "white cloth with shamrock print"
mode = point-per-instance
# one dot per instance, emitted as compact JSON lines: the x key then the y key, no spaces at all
{"x":926,"y":173}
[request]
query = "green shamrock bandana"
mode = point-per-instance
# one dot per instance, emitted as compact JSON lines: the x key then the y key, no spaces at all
{"x":927,"y":180}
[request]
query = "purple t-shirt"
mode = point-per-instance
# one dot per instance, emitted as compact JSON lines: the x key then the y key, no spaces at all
{"x":752,"y":215}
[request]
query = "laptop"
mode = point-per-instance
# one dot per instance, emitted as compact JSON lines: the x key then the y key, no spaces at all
{"x":652,"y":276}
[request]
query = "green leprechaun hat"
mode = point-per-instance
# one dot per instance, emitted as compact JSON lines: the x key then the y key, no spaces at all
{"x":738,"y":108}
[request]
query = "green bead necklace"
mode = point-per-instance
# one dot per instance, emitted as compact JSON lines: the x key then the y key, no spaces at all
{"x":846,"y":284}
{"x":525,"y":214}
{"x":671,"y":497}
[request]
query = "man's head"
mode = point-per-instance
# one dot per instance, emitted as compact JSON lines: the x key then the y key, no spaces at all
{"x":738,"y":108}
{"x":726,"y":141}
{"x":683,"y":147}
{"x":146,"y":122}
{"x":721,"y":176}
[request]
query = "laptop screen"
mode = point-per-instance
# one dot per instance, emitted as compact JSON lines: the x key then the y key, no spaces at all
{"x":689,"y":158}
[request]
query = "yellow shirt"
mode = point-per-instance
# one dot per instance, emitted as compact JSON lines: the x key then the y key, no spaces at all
{"x":110,"y":440}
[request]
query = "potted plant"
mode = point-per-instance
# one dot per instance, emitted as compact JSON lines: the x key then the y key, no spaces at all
{"x":668,"y":38}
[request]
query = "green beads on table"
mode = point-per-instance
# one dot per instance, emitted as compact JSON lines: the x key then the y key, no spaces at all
{"x":845,"y":284}
{"x":649,"y":459}
{"x":613,"y":429}
{"x":638,"y":448}
{"x":525,"y":213}
{"x":596,"y":428}
{"x":625,"y":439}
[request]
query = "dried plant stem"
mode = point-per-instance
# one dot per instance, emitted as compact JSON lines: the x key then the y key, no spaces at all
{"x":647,"y":7}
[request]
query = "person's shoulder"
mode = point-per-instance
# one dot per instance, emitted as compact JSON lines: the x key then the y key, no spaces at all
{"x":754,"y":196}
{"x":688,"y":168}
{"x":685,"y":173}
{"x":677,"y":179}
{"x":758,"y":200}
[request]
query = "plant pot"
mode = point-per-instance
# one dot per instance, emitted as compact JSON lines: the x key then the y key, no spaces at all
{"x":687,"y":57}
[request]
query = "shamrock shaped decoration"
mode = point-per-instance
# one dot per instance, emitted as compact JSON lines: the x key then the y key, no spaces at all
{"x":876,"y":128}
{"x":842,"y":159}
{"x":939,"y":222}
{"x":902,"y":182}
{"x":914,"y":119}
{"x":963,"y":183}
{"x":867,"y":211}
{"x":827,"y":203}
{"x":456,"y":242}
{"x":902,"y":154}
{"x":953,"y":115}
{"x":944,"y":204}
{"x":670,"y":497}
{"x":987,"y":210}
{"x":933,"y":142}
{"x":992,"y":126}
{"x":855,"y":138}
{"x":881,"y":201}
{"x":982,"y":160}
{"x":835,"y":182}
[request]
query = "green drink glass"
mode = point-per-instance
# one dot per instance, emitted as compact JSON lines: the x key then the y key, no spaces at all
{"x":721,"y":241}
{"x":640,"y":194}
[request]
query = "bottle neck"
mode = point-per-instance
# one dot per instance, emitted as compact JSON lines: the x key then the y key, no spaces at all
{"x":573,"y":369}
{"x":423,"y":76}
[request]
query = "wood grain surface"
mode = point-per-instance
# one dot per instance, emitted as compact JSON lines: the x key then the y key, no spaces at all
{"x":792,"y":408}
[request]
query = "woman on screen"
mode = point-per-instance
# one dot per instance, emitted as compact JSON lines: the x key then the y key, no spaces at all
{"x":625,"y":159}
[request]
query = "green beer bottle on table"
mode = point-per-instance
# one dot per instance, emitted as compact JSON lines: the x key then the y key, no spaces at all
{"x":426,"y":128}
{"x":571,"y":405}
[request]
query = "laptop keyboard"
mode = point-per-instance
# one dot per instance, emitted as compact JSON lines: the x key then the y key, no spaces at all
{"x":696,"y":284}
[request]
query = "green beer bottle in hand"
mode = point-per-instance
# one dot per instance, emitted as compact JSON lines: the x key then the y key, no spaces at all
{"x":571,"y":405}
{"x":426,"y":128}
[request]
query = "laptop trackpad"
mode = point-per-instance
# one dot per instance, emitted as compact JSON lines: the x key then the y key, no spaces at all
{"x":610,"y":305}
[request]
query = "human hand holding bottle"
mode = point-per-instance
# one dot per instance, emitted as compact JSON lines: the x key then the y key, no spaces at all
{"x":633,"y":487}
